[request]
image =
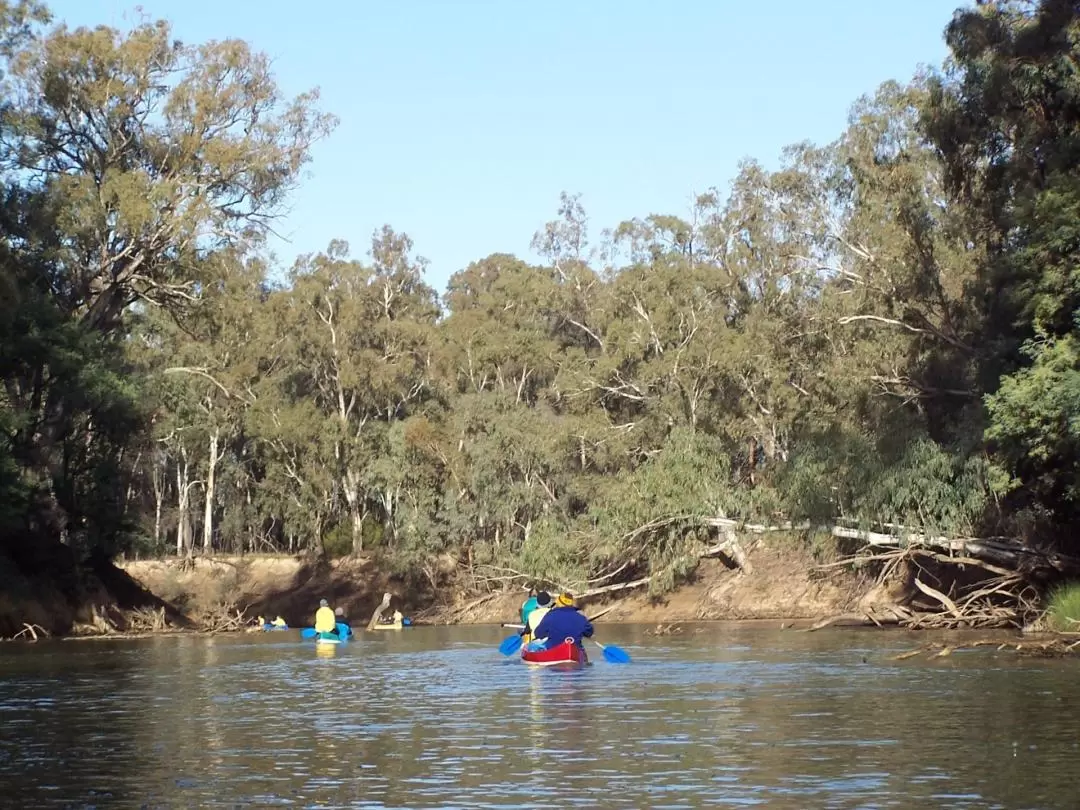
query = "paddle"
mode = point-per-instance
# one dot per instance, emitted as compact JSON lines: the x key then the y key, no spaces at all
{"x":510,"y":644}
{"x":514,"y":626}
{"x":612,"y":654}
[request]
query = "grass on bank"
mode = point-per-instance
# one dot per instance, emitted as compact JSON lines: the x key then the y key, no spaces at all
{"x":1063,"y":612}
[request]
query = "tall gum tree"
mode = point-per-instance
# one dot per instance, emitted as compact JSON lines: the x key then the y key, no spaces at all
{"x":137,"y":156}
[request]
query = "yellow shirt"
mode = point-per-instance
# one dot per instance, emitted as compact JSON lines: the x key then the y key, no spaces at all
{"x":535,"y":617}
{"x":278,"y":622}
{"x":325,"y":620}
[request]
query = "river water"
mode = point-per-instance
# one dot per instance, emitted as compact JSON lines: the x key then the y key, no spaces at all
{"x":434,"y":717}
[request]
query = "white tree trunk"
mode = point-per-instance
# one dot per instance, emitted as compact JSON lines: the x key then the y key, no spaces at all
{"x":183,"y":492}
{"x":208,"y":514}
{"x":352,"y":497}
{"x":157,"y":478}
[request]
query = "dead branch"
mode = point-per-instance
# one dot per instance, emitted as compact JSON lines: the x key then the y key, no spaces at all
{"x":32,"y":630}
{"x":383,"y":606}
{"x":224,"y":618}
{"x":731,"y":550}
{"x":621,"y":586}
{"x":938,"y":595}
{"x":853,"y":619}
{"x":458,"y":613}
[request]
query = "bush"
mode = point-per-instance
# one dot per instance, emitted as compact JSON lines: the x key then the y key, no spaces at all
{"x":1063,"y":614}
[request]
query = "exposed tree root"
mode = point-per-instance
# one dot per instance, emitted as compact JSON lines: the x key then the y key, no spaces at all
{"x":989,"y":597}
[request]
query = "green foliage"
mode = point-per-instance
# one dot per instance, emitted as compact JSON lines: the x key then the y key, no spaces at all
{"x":1035,"y":418}
{"x":1063,"y":611}
{"x":882,"y":331}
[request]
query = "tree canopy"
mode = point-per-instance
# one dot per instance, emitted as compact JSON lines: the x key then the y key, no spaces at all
{"x":883,"y":331}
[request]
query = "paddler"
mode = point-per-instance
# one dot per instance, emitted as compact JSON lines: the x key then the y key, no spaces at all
{"x":279,"y":622}
{"x":528,"y":606}
{"x":543,"y":605}
{"x":325,"y":621}
{"x":339,"y":618}
{"x":562,"y":622}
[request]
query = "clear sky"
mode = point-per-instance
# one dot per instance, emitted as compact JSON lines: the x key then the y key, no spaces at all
{"x":462,"y":120}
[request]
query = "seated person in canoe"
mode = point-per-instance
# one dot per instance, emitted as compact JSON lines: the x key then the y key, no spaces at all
{"x":562,"y":622}
{"x":534,"y":616}
{"x":325,"y":620}
{"x":528,"y":606}
{"x":341,"y":627}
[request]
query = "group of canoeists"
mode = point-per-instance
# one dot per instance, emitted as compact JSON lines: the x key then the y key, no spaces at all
{"x":552,"y":630}
{"x":560,"y":620}
{"x":552,"y":633}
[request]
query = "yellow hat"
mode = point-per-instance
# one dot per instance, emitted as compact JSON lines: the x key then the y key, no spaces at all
{"x":564,"y":600}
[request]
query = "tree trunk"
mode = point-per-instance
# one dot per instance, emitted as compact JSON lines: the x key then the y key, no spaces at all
{"x":357,"y":530}
{"x":157,"y":478}
{"x":382,"y":608}
{"x":208,"y":514}
{"x":183,"y":491}
{"x":352,"y":498}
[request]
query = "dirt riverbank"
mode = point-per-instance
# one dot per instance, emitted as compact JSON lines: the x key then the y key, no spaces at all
{"x":783,"y":585}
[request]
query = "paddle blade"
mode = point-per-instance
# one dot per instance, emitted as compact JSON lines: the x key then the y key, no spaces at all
{"x":343,"y":631}
{"x":615,"y":655}
{"x":510,"y":644}
{"x":307,"y":632}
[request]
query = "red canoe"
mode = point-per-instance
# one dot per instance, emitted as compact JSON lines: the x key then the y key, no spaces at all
{"x":566,"y":655}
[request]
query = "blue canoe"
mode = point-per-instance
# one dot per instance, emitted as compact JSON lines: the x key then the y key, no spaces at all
{"x":344,"y":633}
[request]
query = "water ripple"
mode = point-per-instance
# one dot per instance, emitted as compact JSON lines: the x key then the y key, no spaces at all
{"x":434,"y":717}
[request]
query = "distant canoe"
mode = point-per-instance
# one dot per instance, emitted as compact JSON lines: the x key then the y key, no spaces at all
{"x":405,"y":622}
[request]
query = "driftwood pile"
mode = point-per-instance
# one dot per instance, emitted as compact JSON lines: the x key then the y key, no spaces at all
{"x":223,"y":618}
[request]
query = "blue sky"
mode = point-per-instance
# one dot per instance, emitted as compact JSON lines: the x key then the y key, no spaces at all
{"x":462,"y":120}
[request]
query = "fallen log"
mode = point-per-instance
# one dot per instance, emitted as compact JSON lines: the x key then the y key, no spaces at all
{"x":1014,"y":555}
{"x":384,"y":605}
{"x":853,"y":619}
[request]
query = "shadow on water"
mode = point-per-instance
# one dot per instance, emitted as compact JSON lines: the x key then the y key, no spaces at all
{"x":732,"y":716}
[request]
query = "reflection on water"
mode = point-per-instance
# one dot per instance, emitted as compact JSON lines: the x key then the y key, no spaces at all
{"x":733,"y":716}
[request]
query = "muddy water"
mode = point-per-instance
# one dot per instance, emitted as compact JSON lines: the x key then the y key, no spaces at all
{"x":731,"y":716}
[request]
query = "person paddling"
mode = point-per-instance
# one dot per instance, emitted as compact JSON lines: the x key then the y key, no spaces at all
{"x":528,"y":606}
{"x":325,"y":620}
{"x":339,"y":619}
{"x":562,"y":622}
{"x":535,"y":616}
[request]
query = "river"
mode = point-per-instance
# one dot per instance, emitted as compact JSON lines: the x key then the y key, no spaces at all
{"x":724,"y":715}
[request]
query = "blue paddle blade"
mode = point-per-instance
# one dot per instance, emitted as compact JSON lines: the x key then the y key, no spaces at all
{"x":615,"y":655}
{"x":343,"y":631}
{"x":307,"y":632}
{"x":510,"y":644}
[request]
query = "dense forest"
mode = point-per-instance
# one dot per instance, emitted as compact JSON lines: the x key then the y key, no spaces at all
{"x":882,"y":332}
